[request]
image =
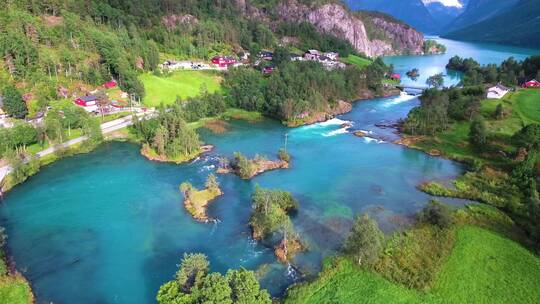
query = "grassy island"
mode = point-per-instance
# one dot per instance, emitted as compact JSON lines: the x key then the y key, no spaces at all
{"x":270,"y":221}
{"x":248,"y":168}
{"x":196,"y":201}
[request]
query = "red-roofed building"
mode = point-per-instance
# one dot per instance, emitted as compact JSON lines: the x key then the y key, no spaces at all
{"x":109,"y":85}
{"x":395,"y":77}
{"x":532,"y":84}
{"x":223,"y":61}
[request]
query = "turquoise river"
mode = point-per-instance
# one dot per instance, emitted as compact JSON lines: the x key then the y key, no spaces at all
{"x":110,"y":227}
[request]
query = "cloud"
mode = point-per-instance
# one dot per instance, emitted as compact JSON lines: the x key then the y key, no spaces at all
{"x":456,"y":3}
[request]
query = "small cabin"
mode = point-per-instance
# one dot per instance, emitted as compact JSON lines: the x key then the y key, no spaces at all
{"x":268,"y":70}
{"x":86,"y":101}
{"x":312,"y":55}
{"x":332,"y":55}
{"x":266,"y":55}
{"x":110,"y":84}
{"x":532,"y":84}
{"x":395,"y":76}
{"x":497,"y":92}
{"x":223,"y":61}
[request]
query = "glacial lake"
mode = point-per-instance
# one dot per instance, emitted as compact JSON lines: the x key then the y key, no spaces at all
{"x":110,"y":227}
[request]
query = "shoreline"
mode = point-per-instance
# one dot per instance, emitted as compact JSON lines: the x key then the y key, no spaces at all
{"x":343,"y":107}
{"x":151,"y":155}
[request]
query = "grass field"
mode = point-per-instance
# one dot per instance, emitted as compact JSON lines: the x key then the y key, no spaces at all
{"x":483,"y":267}
{"x":487,"y":268}
{"x":356,"y":60}
{"x":14,"y":290}
{"x":183,"y":84}
{"x":523,"y":107}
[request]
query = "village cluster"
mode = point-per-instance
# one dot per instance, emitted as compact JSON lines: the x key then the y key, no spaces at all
{"x":330,"y":60}
{"x":499,"y":91}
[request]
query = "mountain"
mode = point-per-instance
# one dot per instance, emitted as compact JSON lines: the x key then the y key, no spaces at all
{"x":55,"y":49}
{"x":517,"y":25}
{"x":370,"y":33}
{"x":412,"y":12}
{"x":443,"y":14}
{"x":480,"y":10}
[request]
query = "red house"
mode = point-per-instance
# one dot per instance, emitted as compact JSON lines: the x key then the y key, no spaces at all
{"x":395,"y":77}
{"x":532,"y":84}
{"x":86,"y":101}
{"x":268,"y":70}
{"x":223,"y":61}
{"x":109,"y":85}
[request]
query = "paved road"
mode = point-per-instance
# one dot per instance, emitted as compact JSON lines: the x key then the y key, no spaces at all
{"x":106,"y":128}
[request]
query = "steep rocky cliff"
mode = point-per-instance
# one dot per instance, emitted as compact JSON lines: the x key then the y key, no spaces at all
{"x":393,"y":36}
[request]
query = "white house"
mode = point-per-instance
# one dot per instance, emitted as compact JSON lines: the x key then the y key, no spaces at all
{"x":332,"y":55}
{"x":497,"y":92}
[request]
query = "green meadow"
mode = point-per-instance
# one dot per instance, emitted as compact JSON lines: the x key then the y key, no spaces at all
{"x":165,"y":89}
{"x":522,"y":108}
{"x":483,"y":267}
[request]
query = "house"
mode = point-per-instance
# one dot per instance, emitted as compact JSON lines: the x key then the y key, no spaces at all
{"x":532,"y":84}
{"x":266,"y":55}
{"x":312,"y":55}
{"x":295,"y":57}
{"x":110,"y":84}
{"x":268,"y":70}
{"x":223,"y":61}
{"x":497,"y":92}
{"x":324,"y":58}
{"x":332,"y":55}
{"x":89,"y":103}
{"x":395,"y":76}
{"x":177,"y":65}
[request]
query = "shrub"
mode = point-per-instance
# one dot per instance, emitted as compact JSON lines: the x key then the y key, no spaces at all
{"x":365,"y":241}
{"x":438,"y":214}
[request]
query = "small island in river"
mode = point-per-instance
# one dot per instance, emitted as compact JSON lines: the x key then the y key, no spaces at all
{"x":196,"y":201}
{"x":247,"y":168}
{"x":271,"y":223}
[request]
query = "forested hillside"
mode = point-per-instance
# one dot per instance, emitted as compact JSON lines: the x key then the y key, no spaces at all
{"x":519,"y":25}
{"x":55,"y":49}
{"x":478,"y":11}
{"x":411,"y":11}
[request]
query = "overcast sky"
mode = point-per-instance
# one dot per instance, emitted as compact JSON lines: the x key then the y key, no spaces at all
{"x":455,"y":3}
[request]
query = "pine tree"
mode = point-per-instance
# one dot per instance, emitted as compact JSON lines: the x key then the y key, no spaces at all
{"x":365,"y":240}
{"x":478,"y":133}
{"x":13,"y":102}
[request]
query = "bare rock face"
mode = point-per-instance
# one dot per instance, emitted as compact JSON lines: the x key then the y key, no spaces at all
{"x":173,"y":21}
{"x":337,"y":20}
{"x":407,"y":39}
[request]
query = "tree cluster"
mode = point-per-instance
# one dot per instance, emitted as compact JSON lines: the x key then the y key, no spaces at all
{"x":365,"y":241}
{"x":194,"y":284}
{"x":510,"y":72}
{"x":297,"y":88}
{"x":438,"y":108}
{"x":271,"y":209}
{"x":168,"y":134}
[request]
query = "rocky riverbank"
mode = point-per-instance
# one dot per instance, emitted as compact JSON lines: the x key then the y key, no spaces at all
{"x":248,"y":168}
{"x":196,"y":201}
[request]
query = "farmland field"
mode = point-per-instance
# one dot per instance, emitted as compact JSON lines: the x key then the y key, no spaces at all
{"x":183,"y":84}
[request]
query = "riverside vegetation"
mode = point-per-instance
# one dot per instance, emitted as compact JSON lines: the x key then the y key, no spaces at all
{"x":439,"y":257}
{"x":196,"y":201}
{"x":270,"y":222}
{"x":497,"y":138}
{"x":55,"y":47}
{"x":248,"y":168}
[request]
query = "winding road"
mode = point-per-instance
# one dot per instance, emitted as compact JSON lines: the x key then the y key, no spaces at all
{"x":106,"y":128}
